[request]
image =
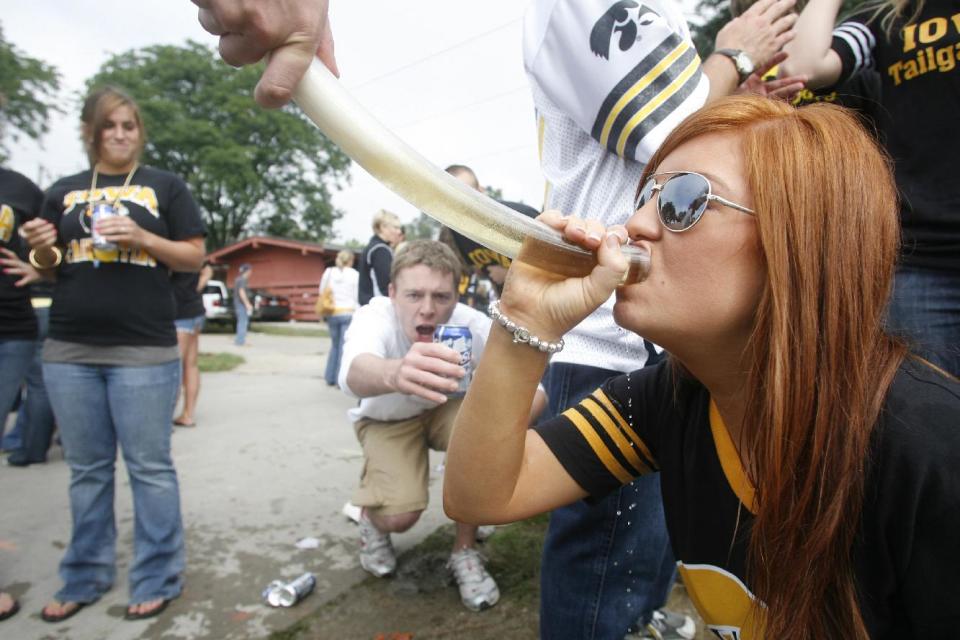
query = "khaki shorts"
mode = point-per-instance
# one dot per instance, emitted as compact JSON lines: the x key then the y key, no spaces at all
{"x":396,"y":466}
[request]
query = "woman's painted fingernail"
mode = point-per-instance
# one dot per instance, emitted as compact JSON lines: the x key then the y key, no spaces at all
{"x":593,"y":235}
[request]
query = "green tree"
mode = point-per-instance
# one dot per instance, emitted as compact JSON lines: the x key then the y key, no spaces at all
{"x":251,"y":170}
{"x":28,"y":90}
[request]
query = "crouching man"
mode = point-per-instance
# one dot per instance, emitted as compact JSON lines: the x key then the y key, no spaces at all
{"x":404,"y":381}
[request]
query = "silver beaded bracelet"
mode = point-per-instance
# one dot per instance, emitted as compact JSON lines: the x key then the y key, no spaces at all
{"x":522,"y":335}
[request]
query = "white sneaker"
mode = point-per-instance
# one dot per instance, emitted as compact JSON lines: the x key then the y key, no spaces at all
{"x":478,"y":591}
{"x":667,"y":625}
{"x":376,"y":550}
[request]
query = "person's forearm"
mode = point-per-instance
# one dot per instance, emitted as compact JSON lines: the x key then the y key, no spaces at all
{"x":178,"y":255}
{"x":809,"y":53}
{"x":371,"y":375}
{"x":723,"y":76}
{"x":486,"y":451}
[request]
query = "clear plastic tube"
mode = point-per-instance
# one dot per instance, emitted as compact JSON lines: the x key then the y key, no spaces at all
{"x":437,"y":193}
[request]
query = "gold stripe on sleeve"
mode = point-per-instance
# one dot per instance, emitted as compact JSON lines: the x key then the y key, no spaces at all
{"x":639,"y":86}
{"x":601,"y":397}
{"x":601,"y":416}
{"x":599,"y":448}
{"x":655,"y":102}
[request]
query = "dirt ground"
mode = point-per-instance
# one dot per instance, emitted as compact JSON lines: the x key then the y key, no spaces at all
{"x":421,"y":604}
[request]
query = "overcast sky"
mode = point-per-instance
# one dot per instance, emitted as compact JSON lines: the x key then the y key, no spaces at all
{"x":445,"y":75}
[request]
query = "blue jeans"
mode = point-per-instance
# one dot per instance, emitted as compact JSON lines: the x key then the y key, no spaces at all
{"x":338,"y":328}
{"x":925,"y":310}
{"x":15,"y":357}
{"x":35,"y":418}
{"x":97,"y":407}
{"x":243,"y":321}
{"x":608,"y":564}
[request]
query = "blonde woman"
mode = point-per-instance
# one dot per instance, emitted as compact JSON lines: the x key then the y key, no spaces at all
{"x":342,"y":279}
{"x":377,"y":257}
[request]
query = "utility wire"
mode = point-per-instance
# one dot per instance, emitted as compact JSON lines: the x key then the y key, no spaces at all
{"x":434,"y":55}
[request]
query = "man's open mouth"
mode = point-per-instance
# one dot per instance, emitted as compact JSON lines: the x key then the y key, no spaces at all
{"x":425,"y":332}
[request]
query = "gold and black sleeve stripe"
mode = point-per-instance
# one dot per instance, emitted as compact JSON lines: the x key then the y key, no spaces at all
{"x":647,"y":95}
{"x":618,"y":447}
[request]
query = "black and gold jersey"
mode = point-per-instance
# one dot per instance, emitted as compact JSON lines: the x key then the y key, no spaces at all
{"x":907,"y":560}
{"x":19,"y":201}
{"x":120,"y":296}
{"x":919,"y":67}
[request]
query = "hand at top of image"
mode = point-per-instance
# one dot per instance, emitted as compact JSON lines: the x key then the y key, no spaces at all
{"x":290,"y":32}
{"x":761,"y":31}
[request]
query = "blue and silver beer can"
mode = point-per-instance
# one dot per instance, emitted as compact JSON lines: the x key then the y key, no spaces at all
{"x":281,"y":594}
{"x":101,"y":211}
{"x":458,"y":338}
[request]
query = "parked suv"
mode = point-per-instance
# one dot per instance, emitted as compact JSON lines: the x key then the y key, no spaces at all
{"x":216,"y":303}
{"x":270,"y":307}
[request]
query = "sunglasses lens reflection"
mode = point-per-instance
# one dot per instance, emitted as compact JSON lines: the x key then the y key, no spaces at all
{"x":683,"y":199}
{"x":643,"y":197}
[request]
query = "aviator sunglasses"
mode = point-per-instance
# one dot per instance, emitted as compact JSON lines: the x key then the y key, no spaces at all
{"x":681,"y":199}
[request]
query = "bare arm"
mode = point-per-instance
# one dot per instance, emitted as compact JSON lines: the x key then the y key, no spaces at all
{"x":810,"y":52}
{"x":497,"y":469}
{"x":761,"y":31}
{"x":178,"y":255}
{"x":428,"y":370}
{"x":242,"y":294}
{"x":205,"y":274}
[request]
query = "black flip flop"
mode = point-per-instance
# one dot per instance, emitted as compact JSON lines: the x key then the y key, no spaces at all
{"x":46,"y":617}
{"x":9,"y":613}
{"x":149,"y":614}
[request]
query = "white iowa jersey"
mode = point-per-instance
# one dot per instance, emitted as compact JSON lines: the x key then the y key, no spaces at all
{"x":610,"y":80}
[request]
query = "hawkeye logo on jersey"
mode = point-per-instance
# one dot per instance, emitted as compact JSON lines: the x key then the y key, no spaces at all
{"x":6,"y":222}
{"x":622,"y":21}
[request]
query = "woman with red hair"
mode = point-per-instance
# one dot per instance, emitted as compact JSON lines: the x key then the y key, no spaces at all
{"x":808,"y":461}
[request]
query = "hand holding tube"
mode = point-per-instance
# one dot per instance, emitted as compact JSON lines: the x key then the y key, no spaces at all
{"x":548,"y":304}
{"x":291,"y":32}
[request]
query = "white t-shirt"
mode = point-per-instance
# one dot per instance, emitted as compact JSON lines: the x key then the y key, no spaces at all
{"x":610,"y":80}
{"x":344,"y":283}
{"x":375,"y":329}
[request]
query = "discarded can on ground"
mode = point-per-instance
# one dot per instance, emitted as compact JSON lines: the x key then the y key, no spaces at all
{"x":458,"y":338}
{"x":280,"y":594}
{"x":101,"y":211}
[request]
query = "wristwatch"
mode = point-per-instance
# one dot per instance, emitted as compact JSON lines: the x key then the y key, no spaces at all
{"x":741,"y":61}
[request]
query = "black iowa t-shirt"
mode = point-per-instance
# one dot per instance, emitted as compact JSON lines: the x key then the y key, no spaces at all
{"x":906,"y":554}
{"x":20,"y":201}
{"x":919,"y":67}
{"x":123,"y":296}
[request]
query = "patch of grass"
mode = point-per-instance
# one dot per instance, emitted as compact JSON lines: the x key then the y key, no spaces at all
{"x":420,"y":597}
{"x":213,"y":362}
{"x":285,"y":330}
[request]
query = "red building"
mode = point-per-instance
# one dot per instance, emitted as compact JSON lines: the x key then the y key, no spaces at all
{"x":290,"y":268}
